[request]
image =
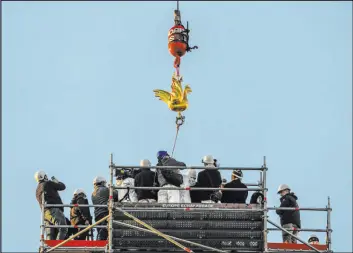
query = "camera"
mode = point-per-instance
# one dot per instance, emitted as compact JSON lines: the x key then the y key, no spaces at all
{"x":124,"y":173}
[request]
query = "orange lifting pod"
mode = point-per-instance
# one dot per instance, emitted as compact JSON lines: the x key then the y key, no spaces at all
{"x":208,"y":227}
{"x":178,"y":39}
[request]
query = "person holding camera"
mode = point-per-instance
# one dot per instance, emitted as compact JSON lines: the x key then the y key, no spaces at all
{"x":53,"y":215}
{"x":126,"y":178}
{"x":146,"y":178}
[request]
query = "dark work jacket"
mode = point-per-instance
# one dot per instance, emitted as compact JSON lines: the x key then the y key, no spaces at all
{"x":146,"y":178}
{"x":51,"y":195}
{"x":169,"y":176}
{"x":100,"y":196}
{"x":289,"y":216}
{"x":79,"y":215}
{"x":214,"y":180}
{"x":255,"y":196}
{"x":234,"y":196}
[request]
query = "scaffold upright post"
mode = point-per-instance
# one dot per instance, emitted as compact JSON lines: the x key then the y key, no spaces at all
{"x":111,"y":205}
{"x":329,"y":224}
{"x":264,"y":192}
{"x":42,"y":228}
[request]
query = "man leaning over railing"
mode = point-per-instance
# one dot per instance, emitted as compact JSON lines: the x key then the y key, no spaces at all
{"x":52,"y":215}
{"x":169,"y":178}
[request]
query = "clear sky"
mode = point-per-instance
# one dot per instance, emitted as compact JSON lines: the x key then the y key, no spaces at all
{"x":268,"y":78}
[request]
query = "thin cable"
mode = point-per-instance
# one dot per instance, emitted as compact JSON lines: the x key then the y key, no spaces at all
{"x":177,"y":5}
{"x":175,"y":139}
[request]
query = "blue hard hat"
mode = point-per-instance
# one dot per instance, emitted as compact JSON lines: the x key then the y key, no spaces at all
{"x":161,"y":154}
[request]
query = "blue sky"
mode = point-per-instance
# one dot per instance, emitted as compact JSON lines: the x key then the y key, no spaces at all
{"x":268,"y":78}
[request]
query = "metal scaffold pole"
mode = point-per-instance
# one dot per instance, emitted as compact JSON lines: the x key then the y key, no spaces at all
{"x":111,"y":205}
{"x":42,"y":228}
{"x":329,"y":231}
{"x":264,"y":192}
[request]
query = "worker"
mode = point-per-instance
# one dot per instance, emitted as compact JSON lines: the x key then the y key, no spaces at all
{"x":290,"y":219}
{"x":146,"y":178}
{"x":208,"y":178}
{"x":235,"y":196}
{"x":170,"y":178}
{"x":189,"y":180}
{"x":126,"y":179}
{"x":53,"y":215}
{"x":257,"y":198}
{"x":100,"y":196}
{"x":80,"y":215}
{"x":313,"y":239}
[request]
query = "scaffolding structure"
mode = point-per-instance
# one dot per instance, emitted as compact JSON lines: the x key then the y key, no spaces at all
{"x":107,"y":246}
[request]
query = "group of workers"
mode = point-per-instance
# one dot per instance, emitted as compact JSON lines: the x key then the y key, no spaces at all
{"x":168,"y":178}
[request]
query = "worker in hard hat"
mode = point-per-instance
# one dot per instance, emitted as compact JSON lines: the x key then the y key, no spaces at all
{"x":53,"y":215}
{"x":189,"y":180}
{"x":100,"y":196}
{"x":235,"y":196}
{"x":208,"y":178}
{"x":313,"y":239}
{"x":80,"y":215}
{"x":146,"y":178}
{"x":290,"y":219}
{"x":126,"y":178}
{"x":169,"y":178}
{"x":257,"y":198}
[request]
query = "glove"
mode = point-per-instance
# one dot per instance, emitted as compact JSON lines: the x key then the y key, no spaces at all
{"x":54,"y":179}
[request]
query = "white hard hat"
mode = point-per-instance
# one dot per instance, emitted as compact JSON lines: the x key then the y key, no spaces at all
{"x":192,"y":173}
{"x":40,"y":175}
{"x":145,"y":162}
{"x":208,"y":159}
{"x":282,"y":187}
{"x":313,"y":238}
{"x":78,"y":191}
{"x":98,"y":180}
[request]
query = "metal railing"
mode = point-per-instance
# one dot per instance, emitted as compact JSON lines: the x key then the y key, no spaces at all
{"x":112,"y":207}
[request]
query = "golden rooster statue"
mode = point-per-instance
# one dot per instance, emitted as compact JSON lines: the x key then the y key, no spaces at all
{"x":176,"y":100}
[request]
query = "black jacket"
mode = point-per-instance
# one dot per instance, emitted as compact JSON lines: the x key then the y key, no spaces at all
{"x":289,"y":216}
{"x":51,"y":195}
{"x":206,"y":178}
{"x":234,"y":196}
{"x":100,"y":196}
{"x":79,"y":215}
{"x":169,"y":176}
{"x":255,"y":196}
{"x":146,"y":178}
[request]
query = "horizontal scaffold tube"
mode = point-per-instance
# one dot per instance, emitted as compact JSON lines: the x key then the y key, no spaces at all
{"x":175,"y":238}
{"x":80,"y":249}
{"x":299,"y":229}
{"x":190,"y":188}
{"x":148,"y":209}
{"x":67,"y":205}
{"x":71,"y":226}
{"x":187,"y":167}
{"x":298,"y":208}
